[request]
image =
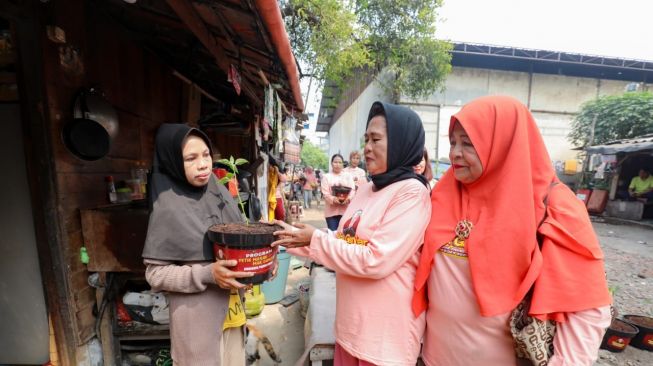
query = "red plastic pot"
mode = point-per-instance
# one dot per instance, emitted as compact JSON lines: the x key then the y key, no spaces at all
{"x":341,"y":192}
{"x":643,"y":339}
{"x":249,"y":244}
{"x":618,"y":336}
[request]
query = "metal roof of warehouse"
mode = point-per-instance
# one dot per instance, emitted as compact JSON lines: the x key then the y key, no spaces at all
{"x":551,"y":62}
{"x":526,"y":60}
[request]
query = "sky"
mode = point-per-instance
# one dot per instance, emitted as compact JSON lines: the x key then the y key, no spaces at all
{"x":597,"y":27}
{"x":622,"y":28}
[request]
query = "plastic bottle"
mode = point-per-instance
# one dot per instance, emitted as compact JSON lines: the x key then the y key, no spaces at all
{"x":140,"y":172}
{"x":111,"y":189}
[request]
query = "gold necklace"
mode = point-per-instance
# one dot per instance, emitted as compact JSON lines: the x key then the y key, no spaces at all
{"x":462,"y":231}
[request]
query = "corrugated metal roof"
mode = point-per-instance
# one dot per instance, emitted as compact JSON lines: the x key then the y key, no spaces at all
{"x":640,"y":143}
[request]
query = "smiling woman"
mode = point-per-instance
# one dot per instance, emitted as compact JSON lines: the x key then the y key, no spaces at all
{"x":466,"y":164}
{"x":503,"y":224}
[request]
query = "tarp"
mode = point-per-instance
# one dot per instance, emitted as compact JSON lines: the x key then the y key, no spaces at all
{"x":623,"y":146}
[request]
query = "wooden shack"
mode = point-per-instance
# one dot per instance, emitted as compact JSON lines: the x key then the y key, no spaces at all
{"x":212,"y":64}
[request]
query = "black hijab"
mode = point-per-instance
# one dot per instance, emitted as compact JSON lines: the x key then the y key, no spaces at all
{"x":182,"y":213}
{"x":405,"y":143}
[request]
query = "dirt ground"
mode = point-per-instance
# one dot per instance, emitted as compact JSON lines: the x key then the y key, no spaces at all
{"x":629,"y":265}
{"x":284,"y":326}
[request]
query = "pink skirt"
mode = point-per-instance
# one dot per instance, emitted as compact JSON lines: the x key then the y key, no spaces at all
{"x":342,"y":358}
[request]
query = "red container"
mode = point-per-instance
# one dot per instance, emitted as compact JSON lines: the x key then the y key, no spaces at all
{"x":340,"y":192}
{"x":618,"y":336}
{"x":643,"y":339}
{"x":250,"y":247}
{"x":597,"y":201}
{"x":232,"y":185}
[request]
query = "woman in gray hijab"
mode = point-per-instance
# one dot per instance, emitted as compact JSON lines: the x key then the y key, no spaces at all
{"x":186,"y":201}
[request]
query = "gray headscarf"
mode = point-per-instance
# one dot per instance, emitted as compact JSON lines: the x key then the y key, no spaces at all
{"x":182,"y":213}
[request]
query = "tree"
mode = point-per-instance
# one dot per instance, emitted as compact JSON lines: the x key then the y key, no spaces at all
{"x":614,"y":117}
{"x":311,"y":155}
{"x":340,"y":37}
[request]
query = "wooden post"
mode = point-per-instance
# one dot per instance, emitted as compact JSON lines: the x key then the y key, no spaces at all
{"x":191,"y":104}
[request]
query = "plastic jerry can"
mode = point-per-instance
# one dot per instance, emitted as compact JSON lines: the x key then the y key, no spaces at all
{"x":571,"y":166}
{"x":254,"y":301}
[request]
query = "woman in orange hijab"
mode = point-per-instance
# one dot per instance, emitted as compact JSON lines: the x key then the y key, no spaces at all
{"x":481,"y":254}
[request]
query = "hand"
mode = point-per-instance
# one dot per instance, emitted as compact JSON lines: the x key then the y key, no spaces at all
{"x":295,"y":236}
{"x":226,"y":278}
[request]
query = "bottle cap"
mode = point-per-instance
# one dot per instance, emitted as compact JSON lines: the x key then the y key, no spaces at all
{"x":108,"y":178}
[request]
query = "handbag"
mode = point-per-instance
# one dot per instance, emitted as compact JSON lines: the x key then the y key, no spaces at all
{"x":533,"y":337}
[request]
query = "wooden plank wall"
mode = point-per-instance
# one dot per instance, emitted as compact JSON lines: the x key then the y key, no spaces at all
{"x":145,"y":94}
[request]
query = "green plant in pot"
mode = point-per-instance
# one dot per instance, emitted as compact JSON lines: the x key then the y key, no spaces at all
{"x":247,"y":242}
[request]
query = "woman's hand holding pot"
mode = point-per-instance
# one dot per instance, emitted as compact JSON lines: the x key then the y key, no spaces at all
{"x":295,"y":236}
{"x":226,"y":278}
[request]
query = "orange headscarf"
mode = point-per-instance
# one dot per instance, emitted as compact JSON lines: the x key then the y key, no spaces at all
{"x":505,"y":205}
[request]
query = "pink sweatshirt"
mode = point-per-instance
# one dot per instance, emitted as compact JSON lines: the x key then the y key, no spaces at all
{"x":331,"y":208}
{"x":358,"y":175}
{"x":375,"y":254}
{"x":457,"y":335}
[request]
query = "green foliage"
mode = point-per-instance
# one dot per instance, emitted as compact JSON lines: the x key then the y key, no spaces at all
{"x":311,"y":155}
{"x":340,"y":37}
{"x":233,"y":165}
{"x":617,"y":117}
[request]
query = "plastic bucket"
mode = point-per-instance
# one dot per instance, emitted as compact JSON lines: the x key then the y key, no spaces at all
{"x":275,"y":290}
{"x":249,"y":245}
{"x":618,"y":336}
{"x":643,"y":339}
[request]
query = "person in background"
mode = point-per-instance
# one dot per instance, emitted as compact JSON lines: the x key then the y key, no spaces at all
{"x":317,"y":193}
{"x":358,"y":175}
{"x":179,"y":259}
{"x":481,"y":253}
{"x":424,"y":168}
{"x":309,"y":185}
{"x":276,"y":180}
{"x":287,"y":186}
{"x":376,"y":247}
{"x":297,"y":188}
{"x":641,"y":186}
{"x":334,"y":207}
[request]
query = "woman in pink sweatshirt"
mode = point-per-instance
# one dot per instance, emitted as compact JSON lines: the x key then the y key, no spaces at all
{"x":375,"y":249}
{"x":335,"y":206}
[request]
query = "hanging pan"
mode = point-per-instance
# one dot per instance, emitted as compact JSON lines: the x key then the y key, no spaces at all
{"x":95,"y":124}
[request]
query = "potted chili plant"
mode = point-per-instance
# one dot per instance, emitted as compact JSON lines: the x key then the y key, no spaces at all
{"x":248,"y":242}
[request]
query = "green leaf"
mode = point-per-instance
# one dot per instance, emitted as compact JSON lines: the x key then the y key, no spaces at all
{"x":342,"y":40}
{"x":241,"y":161}
{"x":224,"y":161}
{"x":312,"y":156}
